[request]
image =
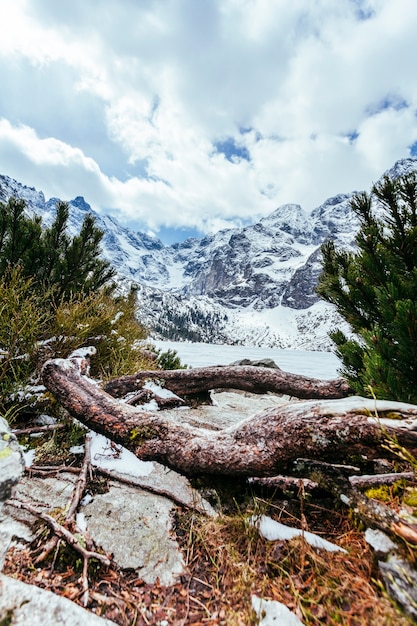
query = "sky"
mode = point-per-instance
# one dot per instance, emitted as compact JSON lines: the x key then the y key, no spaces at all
{"x":182,"y":117}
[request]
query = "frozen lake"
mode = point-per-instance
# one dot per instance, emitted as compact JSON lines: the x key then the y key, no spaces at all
{"x":316,"y":364}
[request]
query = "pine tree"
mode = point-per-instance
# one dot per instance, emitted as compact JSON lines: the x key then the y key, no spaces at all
{"x":375,"y":291}
{"x":19,"y":237}
{"x":55,"y":242}
{"x":58,"y":263}
{"x":79,"y":266}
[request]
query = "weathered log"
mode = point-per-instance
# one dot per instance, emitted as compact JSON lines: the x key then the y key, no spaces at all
{"x":263,"y":445}
{"x":243,"y":377}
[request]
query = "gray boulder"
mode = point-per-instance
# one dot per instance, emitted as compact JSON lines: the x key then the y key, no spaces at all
{"x":258,"y":363}
{"x":24,"y":605}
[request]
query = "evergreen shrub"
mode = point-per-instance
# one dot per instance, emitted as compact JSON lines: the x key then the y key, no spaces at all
{"x":374,"y":289}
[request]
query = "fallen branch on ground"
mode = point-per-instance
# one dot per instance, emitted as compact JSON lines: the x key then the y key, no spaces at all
{"x":61,"y":532}
{"x":243,"y":377}
{"x":374,"y":480}
{"x":263,"y":445}
{"x":37,"y":429}
{"x":70,"y":517}
{"x":196,"y":504}
{"x":52,"y":469}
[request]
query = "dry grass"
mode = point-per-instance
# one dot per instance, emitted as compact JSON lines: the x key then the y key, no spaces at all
{"x":227,"y":562}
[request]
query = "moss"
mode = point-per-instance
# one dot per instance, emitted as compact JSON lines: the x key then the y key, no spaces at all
{"x":140,"y":434}
{"x":392,"y":415}
{"x":386,"y":493}
{"x":381,"y":493}
{"x":411,"y":498}
{"x":5,"y":453}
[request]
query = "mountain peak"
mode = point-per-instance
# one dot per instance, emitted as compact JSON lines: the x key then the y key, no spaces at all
{"x":402,"y":167}
{"x":81,"y":204}
{"x":253,"y":285}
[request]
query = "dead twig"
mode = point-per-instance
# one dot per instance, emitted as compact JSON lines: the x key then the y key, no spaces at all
{"x":372,"y":480}
{"x":75,"y":499}
{"x":81,"y":481}
{"x":61,"y":532}
{"x":37,"y":429}
{"x":52,"y":469}
{"x":284,"y":482}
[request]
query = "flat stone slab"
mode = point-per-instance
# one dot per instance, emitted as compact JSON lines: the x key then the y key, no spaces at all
{"x":27,"y":605}
{"x":166,"y":482}
{"x":44,"y":493}
{"x":229,"y":408}
{"x":135,"y":527}
{"x":128,"y":522}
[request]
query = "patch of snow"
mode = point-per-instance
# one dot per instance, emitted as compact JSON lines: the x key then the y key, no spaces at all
{"x":29,"y":457}
{"x":34,"y":389}
{"x":275,"y":531}
{"x":83,"y":352}
{"x":81,"y":522}
{"x":86,"y":499}
{"x":273,"y":613}
{"x":77,"y":449}
{"x":152,"y":405}
{"x":106,"y":454}
{"x":379,"y":541}
{"x":45,"y":420}
{"x":159,"y":391}
{"x":345,"y":499}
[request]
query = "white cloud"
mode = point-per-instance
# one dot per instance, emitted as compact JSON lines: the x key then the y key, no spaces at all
{"x":127,"y":109}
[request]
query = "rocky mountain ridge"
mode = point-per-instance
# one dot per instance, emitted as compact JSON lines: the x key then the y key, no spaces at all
{"x":253,"y":285}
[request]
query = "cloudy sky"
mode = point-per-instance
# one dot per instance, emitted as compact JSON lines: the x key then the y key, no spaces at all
{"x":179,"y":116}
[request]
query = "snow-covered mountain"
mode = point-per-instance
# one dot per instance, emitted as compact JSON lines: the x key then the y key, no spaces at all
{"x":252,"y":285}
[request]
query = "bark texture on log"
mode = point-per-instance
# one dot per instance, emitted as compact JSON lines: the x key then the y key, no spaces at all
{"x":263,"y":445}
{"x":242,"y":377}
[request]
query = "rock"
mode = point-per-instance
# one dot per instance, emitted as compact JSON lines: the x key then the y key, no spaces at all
{"x":130,"y":523}
{"x":22,"y":604}
{"x":258,"y":363}
{"x":228,"y":409}
{"x":54,"y":492}
{"x":11,"y":461}
{"x":11,"y":469}
{"x":168,"y":483}
{"x":401,"y":583}
{"x":135,"y":526}
{"x":379,"y":541}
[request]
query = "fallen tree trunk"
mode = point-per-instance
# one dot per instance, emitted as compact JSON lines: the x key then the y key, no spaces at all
{"x":242,"y":377}
{"x":263,"y":445}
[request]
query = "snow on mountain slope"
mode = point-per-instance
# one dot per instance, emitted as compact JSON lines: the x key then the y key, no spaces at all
{"x":250,"y":286}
